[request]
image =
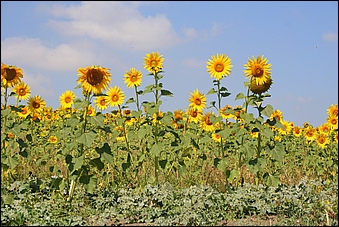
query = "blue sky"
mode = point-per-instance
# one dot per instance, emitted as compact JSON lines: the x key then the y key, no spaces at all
{"x":50,"y":40}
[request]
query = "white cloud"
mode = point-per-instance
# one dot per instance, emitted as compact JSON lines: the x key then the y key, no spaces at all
{"x":330,"y":37}
{"x":115,"y":23}
{"x":39,"y":84}
{"x":32,"y":52}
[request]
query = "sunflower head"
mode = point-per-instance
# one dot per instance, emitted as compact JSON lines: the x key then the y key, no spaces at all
{"x":153,"y":62}
{"x":259,"y":89}
{"x":258,"y":68}
{"x":67,"y":99}
{"x":132,"y":78}
{"x":115,"y":96}
{"x":22,"y":91}
{"x":219,"y":66}
{"x":36,"y":104}
{"x":333,"y":110}
{"x":101,"y":102}
{"x":197,"y":100}
{"x":94,"y":79}
{"x":10,"y":75}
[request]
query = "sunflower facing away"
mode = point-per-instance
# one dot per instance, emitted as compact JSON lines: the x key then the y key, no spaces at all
{"x":36,"y":104}
{"x":67,"y":99}
{"x":22,"y":91}
{"x":132,"y":78}
{"x":115,"y":96}
{"x":197,"y":100}
{"x":219,"y":66}
{"x":153,"y":62}
{"x":10,"y":75}
{"x":259,"y":89}
{"x":258,"y":68}
{"x":94,"y":78}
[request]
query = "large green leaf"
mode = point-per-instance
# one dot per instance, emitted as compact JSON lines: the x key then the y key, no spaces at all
{"x":87,"y":138}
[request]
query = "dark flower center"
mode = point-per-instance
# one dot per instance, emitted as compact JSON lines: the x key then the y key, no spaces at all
{"x":11,"y":73}
{"x":94,"y":77}
{"x":219,"y":67}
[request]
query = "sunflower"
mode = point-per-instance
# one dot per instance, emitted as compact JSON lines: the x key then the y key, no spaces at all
{"x":91,"y":111}
{"x":115,"y":96}
{"x":206,"y":123}
{"x":66,"y":99}
{"x":325,"y":128}
{"x":216,"y":137}
{"x":227,"y":115}
{"x":310,"y":133}
{"x":197,"y":100}
{"x":153,"y":62}
{"x":22,"y":91}
{"x":333,"y":122}
{"x":10,"y":75}
{"x":297,"y":131}
{"x":25,"y":111}
{"x":259,"y":89}
{"x":132,"y":78}
{"x":276,"y":114}
{"x":220,"y":66}
{"x":194,"y":115}
{"x":259,"y":69}
{"x":94,"y":78}
{"x":322,"y":140}
{"x":36,"y":104}
{"x":333,"y":110}
{"x":101,"y":102}
{"x":53,"y":139}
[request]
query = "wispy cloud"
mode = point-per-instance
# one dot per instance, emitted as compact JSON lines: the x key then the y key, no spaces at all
{"x":32,"y":52}
{"x":330,"y":37}
{"x":114,"y":23}
{"x":39,"y":84}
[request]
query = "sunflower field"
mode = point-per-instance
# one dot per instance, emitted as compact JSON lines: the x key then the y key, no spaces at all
{"x":104,"y":141}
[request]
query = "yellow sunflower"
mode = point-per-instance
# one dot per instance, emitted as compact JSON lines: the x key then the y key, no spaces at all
{"x":216,"y":137}
{"x":226,"y":115}
{"x":276,"y":114}
{"x":206,"y":123}
{"x":322,"y":140}
{"x":53,"y":139}
{"x":259,"y":89}
{"x":94,"y":78}
{"x":153,"y":62}
{"x":10,"y":75}
{"x":91,"y":111}
{"x":297,"y":131}
{"x":194,"y":115}
{"x":115,"y":96}
{"x":25,"y":111}
{"x":132,"y":78}
{"x":325,"y":128}
{"x":197,"y":100}
{"x":333,"y":110}
{"x":101,"y":102}
{"x":67,"y":99}
{"x":22,"y":91}
{"x":36,"y":104}
{"x":333,"y":122}
{"x":219,"y":66}
{"x":259,"y":69}
{"x":310,"y":133}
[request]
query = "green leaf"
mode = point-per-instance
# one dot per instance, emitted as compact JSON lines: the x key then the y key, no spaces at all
{"x":212,"y":91}
{"x":267,"y":111}
{"x":87,"y":138}
{"x":78,"y":162}
{"x":166,"y":93}
{"x":163,"y":163}
{"x":97,"y":120}
{"x":222,"y":164}
{"x":278,"y":152}
{"x":155,"y":150}
{"x":130,"y":100}
{"x":240,"y":96}
{"x":90,"y":182}
{"x":107,"y":157}
{"x":97,"y":163}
